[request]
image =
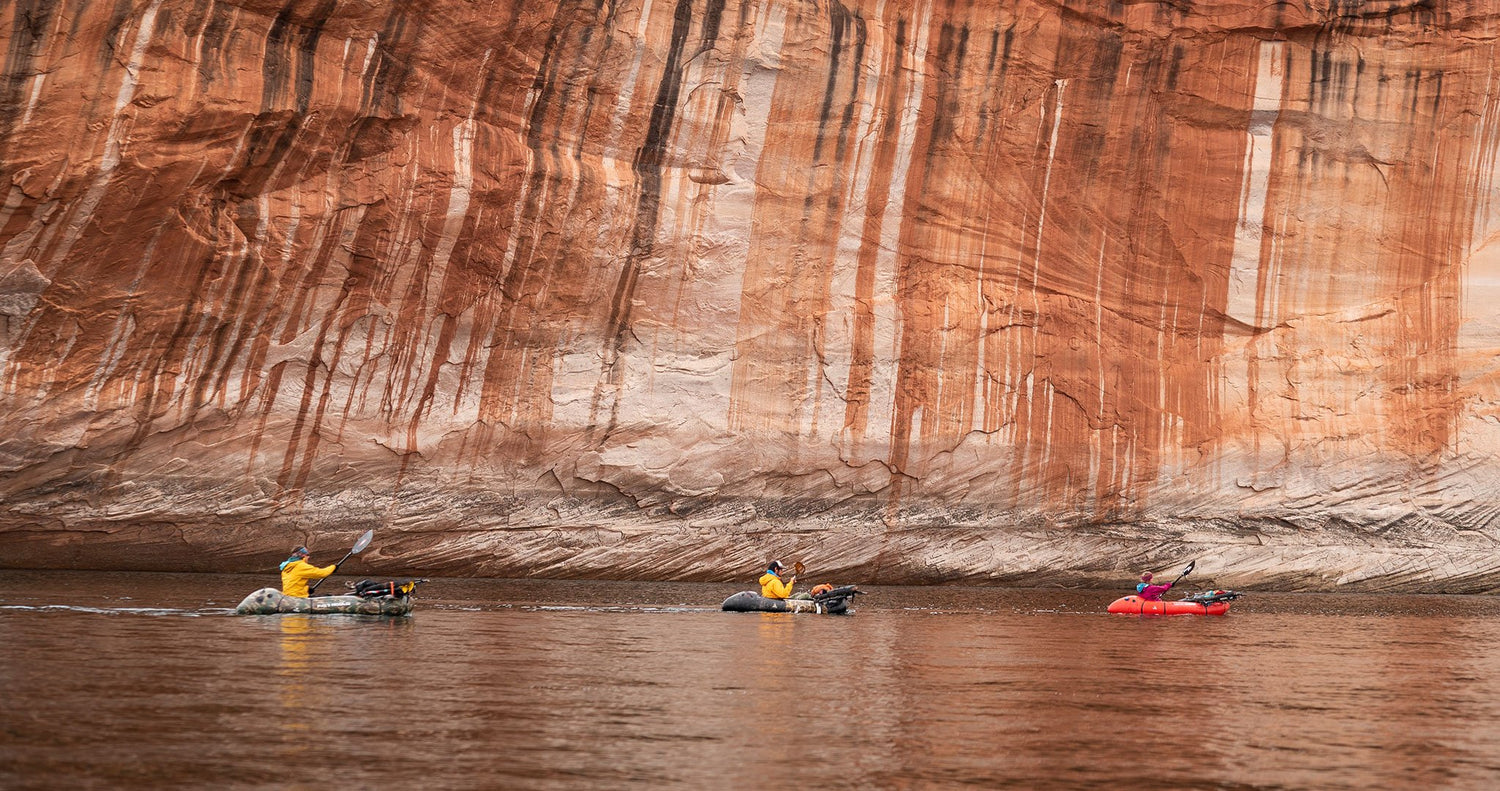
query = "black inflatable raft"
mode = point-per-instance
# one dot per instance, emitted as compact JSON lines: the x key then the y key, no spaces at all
{"x":834,"y":602}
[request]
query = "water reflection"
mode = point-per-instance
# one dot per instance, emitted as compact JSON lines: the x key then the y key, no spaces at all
{"x":296,"y":715}
{"x":294,"y":643}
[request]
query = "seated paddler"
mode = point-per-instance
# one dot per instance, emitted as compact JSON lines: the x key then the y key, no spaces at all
{"x":296,"y":572}
{"x":1150,"y":591}
{"x":772,"y":586}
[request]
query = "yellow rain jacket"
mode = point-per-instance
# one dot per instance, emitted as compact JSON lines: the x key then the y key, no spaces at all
{"x":772,"y":587}
{"x":296,"y":573}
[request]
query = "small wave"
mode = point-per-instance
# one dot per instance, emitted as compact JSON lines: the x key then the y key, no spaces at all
{"x":614,"y":608}
{"x":573,"y":608}
{"x":114,"y":610}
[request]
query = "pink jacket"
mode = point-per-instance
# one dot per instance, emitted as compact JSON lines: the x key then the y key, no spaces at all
{"x":1153,"y":592}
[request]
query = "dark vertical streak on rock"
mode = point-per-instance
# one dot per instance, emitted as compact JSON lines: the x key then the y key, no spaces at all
{"x":950,"y":56}
{"x":276,"y":67}
{"x":986,"y":111}
{"x":105,"y":66}
{"x":253,"y":289}
{"x":309,"y":385}
{"x":159,"y":384}
{"x":543,"y":85}
{"x":648,"y":169}
{"x":269,"y":141}
{"x":299,"y":311}
{"x":781,"y":376}
{"x":918,"y":342}
{"x":824,"y":231}
{"x":383,"y":88}
{"x":846,"y":123}
{"x":937,"y":299}
{"x":540,"y":137}
{"x":890,"y":101}
{"x":713,"y":15}
{"x":332,"y":314}
{"x":453,"y":301}
{"x":380,"y":95}
{"x":307,"y":54}
{"x":838,"y":24}
{"x":538,"y":255}
{"x":29,"y":24}
{"x":290,"y":64}
{"x":593,"y":89}
{"x":245,"y":278}
{"x":215,"y":36}
{"x":1099,"y":94}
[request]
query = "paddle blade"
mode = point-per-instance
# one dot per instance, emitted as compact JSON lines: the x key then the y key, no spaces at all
{"x":363,"y":542}
{"x":798,"y":568}
{"x":1189,"y":569}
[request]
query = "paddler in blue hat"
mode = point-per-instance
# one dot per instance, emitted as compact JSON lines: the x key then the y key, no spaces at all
{"x":296,"y":572}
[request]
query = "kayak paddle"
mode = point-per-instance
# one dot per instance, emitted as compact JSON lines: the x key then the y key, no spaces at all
{"x":359,"y":547}
{"x":798,"y":568}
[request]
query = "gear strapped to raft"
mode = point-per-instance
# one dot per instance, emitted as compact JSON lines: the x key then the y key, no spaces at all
{"x":1213,"y":597}
{"x":843,"y":592}
{"x":836,"y":600}
{"x":369,"y":589}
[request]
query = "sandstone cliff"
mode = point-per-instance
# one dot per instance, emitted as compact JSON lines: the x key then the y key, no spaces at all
{"x":1013,"y":291}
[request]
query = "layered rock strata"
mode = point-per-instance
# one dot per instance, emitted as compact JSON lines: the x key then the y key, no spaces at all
{"x":1010,"y":291}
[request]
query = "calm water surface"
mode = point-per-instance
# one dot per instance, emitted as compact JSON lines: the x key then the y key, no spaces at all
{"x":146,"y":681}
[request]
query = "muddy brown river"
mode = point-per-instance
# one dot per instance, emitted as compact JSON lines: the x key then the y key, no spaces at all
{"x":147,"y":681}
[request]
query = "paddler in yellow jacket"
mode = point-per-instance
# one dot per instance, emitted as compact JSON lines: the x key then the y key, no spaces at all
{"x":772,"y":587}
{"x":296,"y":571}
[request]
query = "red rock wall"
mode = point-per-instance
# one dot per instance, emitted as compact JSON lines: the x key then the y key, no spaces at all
{"x":1006,"y":291}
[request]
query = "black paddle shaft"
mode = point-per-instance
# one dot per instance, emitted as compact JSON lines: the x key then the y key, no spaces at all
{"x":1184,"y":573}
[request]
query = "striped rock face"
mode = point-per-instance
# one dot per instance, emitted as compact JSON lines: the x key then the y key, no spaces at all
{"x":998,"y":291}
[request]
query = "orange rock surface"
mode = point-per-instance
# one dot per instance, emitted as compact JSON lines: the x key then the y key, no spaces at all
{"x":1005,"y":291}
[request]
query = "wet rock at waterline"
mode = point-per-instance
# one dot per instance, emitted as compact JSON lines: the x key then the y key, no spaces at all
{"x":1002,"y":292}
